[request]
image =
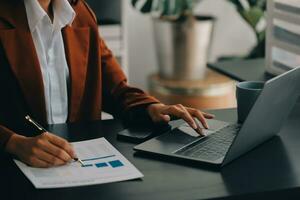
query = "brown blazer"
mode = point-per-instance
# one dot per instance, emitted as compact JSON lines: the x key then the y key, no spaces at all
{"x":96,"y":80}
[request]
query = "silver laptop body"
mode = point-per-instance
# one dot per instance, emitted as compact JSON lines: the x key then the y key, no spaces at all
{"x":264,"y":121}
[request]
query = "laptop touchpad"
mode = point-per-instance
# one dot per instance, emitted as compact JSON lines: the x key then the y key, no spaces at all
{"x":214,"y":125}
{"x":190,"y":131}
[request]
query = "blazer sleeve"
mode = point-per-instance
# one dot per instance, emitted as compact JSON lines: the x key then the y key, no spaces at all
{"x":118,"y":96}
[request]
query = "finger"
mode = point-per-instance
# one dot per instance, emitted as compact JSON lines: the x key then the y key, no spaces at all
{"x":165,"y":118}
{"x":58,"y":152}
{"x":208,"y":116}
{"x":198,"y":114}
{"x":35,"y":162}
{"x":157,"y":117}
{"x":198,"y":129}
{"x":49,"y":158}
{"x":54,"y":150}
{"x":62,"y":143}
{"x":182,"y":113}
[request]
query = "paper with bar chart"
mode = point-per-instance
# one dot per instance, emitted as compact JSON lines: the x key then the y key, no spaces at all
{"x":102,"y":164}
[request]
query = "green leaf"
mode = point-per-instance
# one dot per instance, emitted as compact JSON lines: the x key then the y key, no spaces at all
{"x":261,"y":36}
{"x":147,"y":7}
{"x":253,"y":16}
{"x":144,"y":8}
{"x":171,"y":9}
{"x":237,"y":3}
{"x":133,"y":2}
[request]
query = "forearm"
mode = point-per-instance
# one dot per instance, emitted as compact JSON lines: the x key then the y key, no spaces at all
{"x":5,"y":135}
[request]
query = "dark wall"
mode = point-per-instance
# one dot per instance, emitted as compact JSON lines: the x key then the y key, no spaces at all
{"x":107,"y":11}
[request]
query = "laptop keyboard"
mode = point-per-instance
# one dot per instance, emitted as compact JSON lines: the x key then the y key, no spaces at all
{"x":212,"y":147}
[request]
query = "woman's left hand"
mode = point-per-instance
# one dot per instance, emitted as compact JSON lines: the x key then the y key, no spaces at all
{"x":162,"y":113}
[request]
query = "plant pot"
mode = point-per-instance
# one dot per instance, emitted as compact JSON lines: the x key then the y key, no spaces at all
{"x":182,"y":46}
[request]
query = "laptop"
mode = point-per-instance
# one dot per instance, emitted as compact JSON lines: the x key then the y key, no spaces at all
{"x":227,"y":141}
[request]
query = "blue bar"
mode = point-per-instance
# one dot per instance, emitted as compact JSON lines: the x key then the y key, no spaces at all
{"x":89,"y":165}
{"x":116,"y":163}
{"x":99,"y":165}
{"x":98,"y":158}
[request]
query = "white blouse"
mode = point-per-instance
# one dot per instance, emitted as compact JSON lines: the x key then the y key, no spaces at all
{"x":49,"y":45}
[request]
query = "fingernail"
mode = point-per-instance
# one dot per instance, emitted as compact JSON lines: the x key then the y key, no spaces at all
{"x":199,"y":131}
{"x":202,"y":133}
{"x":206,"y":126}
{"x":195,"y":126}
{"x":74,"y":156}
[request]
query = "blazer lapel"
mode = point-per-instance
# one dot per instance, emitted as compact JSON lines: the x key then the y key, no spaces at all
{"x":76,"y":41}
{"x":20,"y":51}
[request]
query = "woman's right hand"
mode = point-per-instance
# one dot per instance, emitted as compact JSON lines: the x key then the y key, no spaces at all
{"x":45,"y":150}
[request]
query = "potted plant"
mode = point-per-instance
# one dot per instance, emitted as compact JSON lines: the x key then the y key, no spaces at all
{"x":182,"y":39}
{"x":253,"y":12}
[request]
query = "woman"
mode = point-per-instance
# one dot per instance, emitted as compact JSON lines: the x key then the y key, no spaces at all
{"x":56,"y":68}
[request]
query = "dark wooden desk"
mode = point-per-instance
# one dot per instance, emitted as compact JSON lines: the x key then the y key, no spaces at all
{"x":271,"y":171}
{"x":242,"y":70}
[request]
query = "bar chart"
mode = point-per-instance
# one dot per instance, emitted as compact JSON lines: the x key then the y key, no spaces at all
{"x":102,"y":164}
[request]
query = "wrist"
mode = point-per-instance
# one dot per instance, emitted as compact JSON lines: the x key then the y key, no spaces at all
{"x":153,"y":107}
{"x":12,"y":143}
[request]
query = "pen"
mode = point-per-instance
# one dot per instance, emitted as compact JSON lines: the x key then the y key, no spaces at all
{"x":38,"y":126}
{"x":80,"y":161}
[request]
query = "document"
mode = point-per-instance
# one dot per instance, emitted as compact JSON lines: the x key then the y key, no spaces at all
{"x":103,"y":164}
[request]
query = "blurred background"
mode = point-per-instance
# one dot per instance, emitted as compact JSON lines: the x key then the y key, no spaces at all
{"x":138,"y":35}
{"x":130,"y":35}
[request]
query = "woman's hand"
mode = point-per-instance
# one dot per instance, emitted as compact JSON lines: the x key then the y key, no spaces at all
{"x":45,"y":150}
{"x":163,"y":113}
